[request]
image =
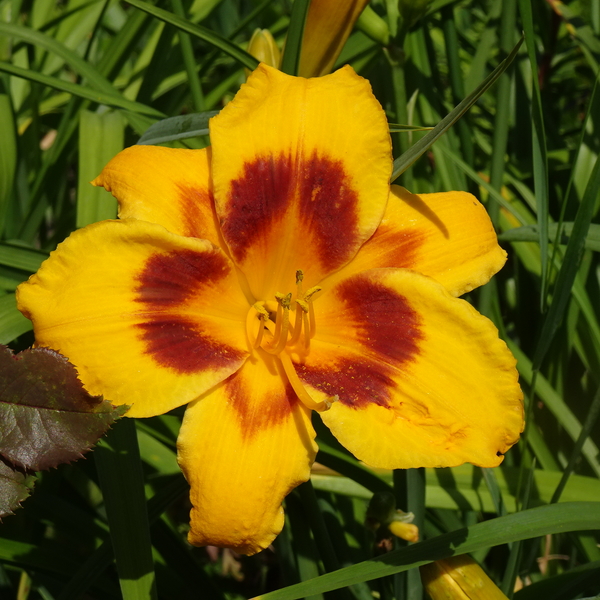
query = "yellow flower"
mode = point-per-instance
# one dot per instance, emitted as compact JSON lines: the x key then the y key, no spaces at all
{"x":458,"y":578}
{"x":268,"y":275}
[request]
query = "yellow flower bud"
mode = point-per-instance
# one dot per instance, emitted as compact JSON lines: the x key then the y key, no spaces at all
{"x":264,"y":48}
{"x":384,"y":518}
{"x":458,"y":578}
{"x":405,"y":531}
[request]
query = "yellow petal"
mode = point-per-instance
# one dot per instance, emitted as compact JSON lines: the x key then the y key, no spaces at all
{"x":300,"y":175}
{"x":460,"y":578}
{"x":328,"y":25}
{"x":447,"y":236}
{"x":243,"y":447}
{"x":422,"y":378}
{"x":166,"y":186}
{"x":149,"y":318}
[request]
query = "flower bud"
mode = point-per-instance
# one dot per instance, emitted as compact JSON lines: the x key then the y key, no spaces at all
{"x":458,"y":578}
{"x":411,"y":11}
{"x":263,"y":47}
{"x":383,"y":517}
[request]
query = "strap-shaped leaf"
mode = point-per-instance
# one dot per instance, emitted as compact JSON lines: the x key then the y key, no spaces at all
{"x":177,"y":128}
{"x":556,"y":518}
{"x":247,"y":60}
{"x":417,"y":150}
{"x":530,"y":233}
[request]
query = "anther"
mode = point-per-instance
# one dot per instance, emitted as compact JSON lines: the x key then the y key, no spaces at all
{"x":299,"y":279}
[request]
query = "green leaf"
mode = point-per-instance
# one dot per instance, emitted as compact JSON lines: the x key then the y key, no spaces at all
{"x":404,"y":161}
{"x":247,"y":60}
{"x":12,"y":322}
{"x":538,"y":134}
{"x":119,"y":467}
{"x":569,"y":267}
{"x":290,"y":61}
{"x":8,"y":155}
{"x":177,"y":128}
{"x":47,"y":418}
{"x":21,"y":257}
{"x":100,"y":138}
{"x":15,"y":486}
{"x":530,"y":233}
{"x":110,"y":99}
{"x":556,"y":518}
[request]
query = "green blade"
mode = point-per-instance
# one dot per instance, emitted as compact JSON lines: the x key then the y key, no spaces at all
{"x":119,"y":467}
{"x":247,"y":60}
{"x":290,"y":61}
{"x":414,"y":152}
{"x":556,"y":518}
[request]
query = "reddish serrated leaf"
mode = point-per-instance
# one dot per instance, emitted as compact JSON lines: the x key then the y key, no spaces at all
{"x":15,"y":486}
{"x":46,"y":416}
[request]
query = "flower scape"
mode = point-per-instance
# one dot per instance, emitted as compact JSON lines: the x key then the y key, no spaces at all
{"x":274,"y":274}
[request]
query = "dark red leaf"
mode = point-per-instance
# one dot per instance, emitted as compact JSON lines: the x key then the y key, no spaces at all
{"x":46,"y":416}
{"x":15,"y":486}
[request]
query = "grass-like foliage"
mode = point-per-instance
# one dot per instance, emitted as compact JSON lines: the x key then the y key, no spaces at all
{"x":82,"y":79}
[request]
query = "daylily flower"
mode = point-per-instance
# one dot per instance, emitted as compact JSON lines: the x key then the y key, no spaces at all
{"x":328,"y":25}
{"x":269,"y":275}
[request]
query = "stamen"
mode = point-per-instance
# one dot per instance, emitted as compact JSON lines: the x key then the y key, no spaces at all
{"x":282,"y":324}
{"x":311,"y":311}
{"x":278,"y":319}
{"x":263,"y":315}
{"x":300,"y":390}
{"x":297,"y":323}
{"x":307,"y":336}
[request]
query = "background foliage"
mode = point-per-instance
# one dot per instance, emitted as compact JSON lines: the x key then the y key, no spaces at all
{"x":81,"y":79}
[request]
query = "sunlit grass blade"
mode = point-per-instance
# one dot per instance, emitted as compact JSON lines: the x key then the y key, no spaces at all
{"x":512,"y":567}
{"x":501,"y":125}
{"x":409,"y":489}
{"x":464,"y":489}
{"x":76,"y":62}
{"x":535,"y":522}
{"x":317,"y":525}
{"x":187,"y":53}
{"x":122,"y":481}
{"x":569,"y":268}
{"x":12,"y":322}
{"x":492,"y":191}
{"x":290,"y":61}
{"x":530,"y":233}
{"x":557,"y":406}
{"x":8,"y":155}
{"x":494,"y":489}
{"x":100,"y":138}
{"x":101,"y":558}
{"x":412,"y":154}
{"x":178,"y":128}
{"x":20,"y":257}
{"x":590,"y":421}
{"x":396,"y":128}
{"x":540,"y":159}
{"x":110,"y":99}
{"x":245,"y":59}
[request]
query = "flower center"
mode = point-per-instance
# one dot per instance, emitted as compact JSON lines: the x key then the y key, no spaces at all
{"x":270,"y":328}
